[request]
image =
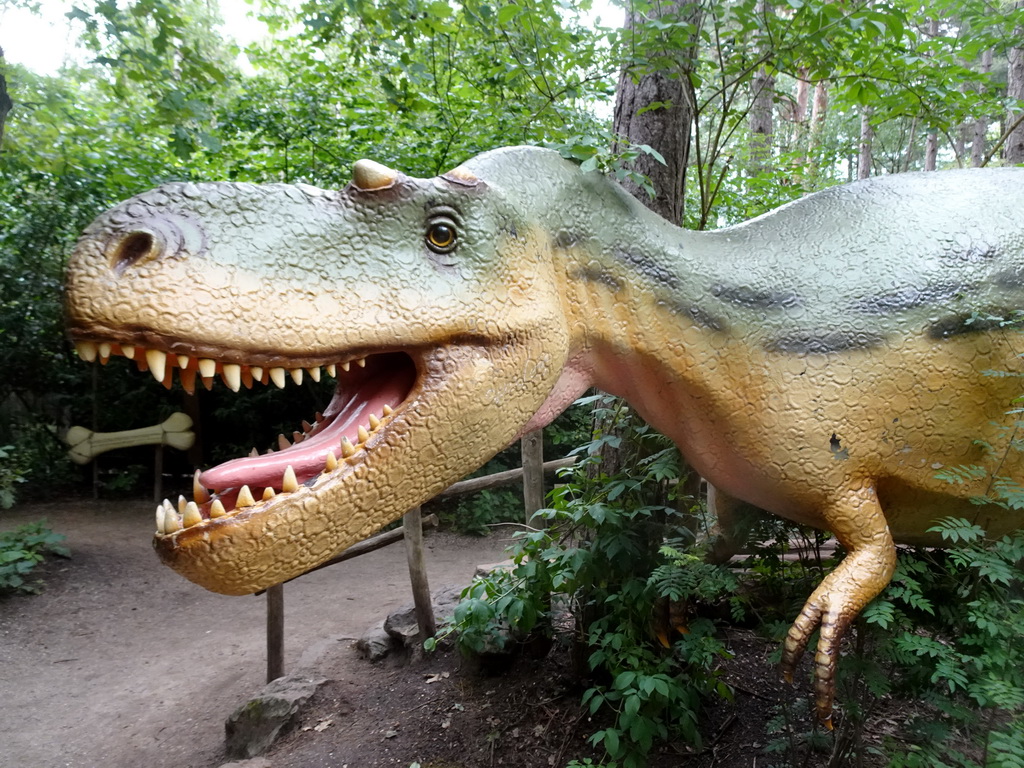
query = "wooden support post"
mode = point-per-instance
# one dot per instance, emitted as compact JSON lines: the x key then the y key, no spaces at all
{"x":532,"y":449}
{"x":413,"y":528}
{"x":275,"y":632}
{"x":158,"y":474}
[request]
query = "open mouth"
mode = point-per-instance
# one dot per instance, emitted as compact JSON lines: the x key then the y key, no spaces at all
{"x":371,"y":391}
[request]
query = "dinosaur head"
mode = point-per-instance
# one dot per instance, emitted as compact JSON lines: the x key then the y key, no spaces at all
{"x":434,"y":302}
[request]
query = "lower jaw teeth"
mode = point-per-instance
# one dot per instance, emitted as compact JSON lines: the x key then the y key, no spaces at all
{"x":188,"y":514}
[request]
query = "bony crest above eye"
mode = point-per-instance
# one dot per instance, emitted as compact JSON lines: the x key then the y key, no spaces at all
{"x":442,"y":235}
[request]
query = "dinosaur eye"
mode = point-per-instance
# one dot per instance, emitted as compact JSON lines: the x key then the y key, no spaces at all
{"x":441,"y":236}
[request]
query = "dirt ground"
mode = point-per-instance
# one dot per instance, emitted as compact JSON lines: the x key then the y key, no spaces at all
{"x":121,"y":662}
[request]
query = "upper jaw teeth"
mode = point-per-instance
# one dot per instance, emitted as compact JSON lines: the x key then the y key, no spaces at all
{"x":205,"y":507}
{"x":235,"y":375}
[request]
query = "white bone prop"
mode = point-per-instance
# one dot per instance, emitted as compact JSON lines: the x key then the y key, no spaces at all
{"x":85,"y":444}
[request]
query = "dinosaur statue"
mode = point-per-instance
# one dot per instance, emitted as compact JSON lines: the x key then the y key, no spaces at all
{"x":822,"y":361}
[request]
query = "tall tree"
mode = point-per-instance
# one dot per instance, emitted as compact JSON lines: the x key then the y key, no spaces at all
{"x":1013,"y":149}
{"x":6,"y":105}
{"x":867,"y":135}
{"x":762,"y":92}
{"x":981,"y":122}
{"x":654,"y":105}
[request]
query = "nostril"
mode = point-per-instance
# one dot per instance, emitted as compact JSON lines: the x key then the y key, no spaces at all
{"x":133,"y":248}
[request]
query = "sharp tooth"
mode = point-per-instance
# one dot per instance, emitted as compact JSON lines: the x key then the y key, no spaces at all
{"x":253,"y":453}
{"x":86,"y":350}
{"x":128,"y":351}
{"x":104,"y":350}
{"x":347,"y":449}
{"x":314,"y":373}
{"x":282,"y":442}
{"x":319,"y":417}
{"x":172,"y":522}
{"x":296,"y":375}
{"x":183,"y":361}
{"x":346,"y":366}
{"x":188,"y":379}
{"x":362,"y":434}
{"x":159,"y":518}
{"x":207,"y":367}
{"x":332,"y":371}
{"x":361,"y":362}
{"x":297,"y":437}
{"x":257,"y":372}
{"x":277,"y":376}
{"x":199,"y":493}
{"x":191,"y":515}
{"x":388,"y":410}
{"x":217,"y":509}
{"x":182,"y":501}
{"x":268,"y":493}
{"x":374,"y":422}
{"x":306,"y":426}
{"x":245,"y":498}
{"x":232,"y":375}
{"x":332,"y":461}
{"x":157,"y":362}
{"x":289,"y":482}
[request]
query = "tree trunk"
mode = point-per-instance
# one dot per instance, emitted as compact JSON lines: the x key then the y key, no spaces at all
{"x":981,"y":124}
{"x":867,"y":134}
{"x":819,"y":110}
{"x":1013,"y":148}
{"x":931,"y":150}
{"x":665,"y":129}
{"x":6,"y":105}
{"x":800,"y":105}
{"x":762,"y":89}
{"x":803,"y":96}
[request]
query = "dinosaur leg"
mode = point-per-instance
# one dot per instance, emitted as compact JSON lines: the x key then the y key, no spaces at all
{"x":734,"y":522}
{"x":858,"y":523}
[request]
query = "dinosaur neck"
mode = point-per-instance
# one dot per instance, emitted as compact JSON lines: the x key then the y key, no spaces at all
{"x":634,"y":282}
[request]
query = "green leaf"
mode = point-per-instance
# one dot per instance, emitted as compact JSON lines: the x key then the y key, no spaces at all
{"x":507,"y":13}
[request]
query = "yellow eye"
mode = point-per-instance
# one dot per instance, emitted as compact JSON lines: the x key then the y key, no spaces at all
{"x":441,"y":237}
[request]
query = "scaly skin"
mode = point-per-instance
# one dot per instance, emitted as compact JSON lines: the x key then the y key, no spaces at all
{"x":817,"y":361}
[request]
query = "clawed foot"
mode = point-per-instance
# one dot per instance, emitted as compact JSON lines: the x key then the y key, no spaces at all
{"x":832,"y":607}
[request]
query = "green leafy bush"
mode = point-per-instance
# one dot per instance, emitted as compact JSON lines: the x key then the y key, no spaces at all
{"x":23,"y":549}
{"x":11,"y":474}
{"x":612,"y":552}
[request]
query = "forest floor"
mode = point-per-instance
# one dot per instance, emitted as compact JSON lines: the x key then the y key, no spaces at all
{"x":120,"y":662}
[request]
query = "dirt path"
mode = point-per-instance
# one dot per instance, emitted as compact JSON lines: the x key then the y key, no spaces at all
{"x":121,"y":662}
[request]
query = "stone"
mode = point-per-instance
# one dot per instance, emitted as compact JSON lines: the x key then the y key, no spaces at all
{"x":254,"y":726}
{"x":401,"y":624}
{"x":375,"y":643}
{"x":400,"y":632}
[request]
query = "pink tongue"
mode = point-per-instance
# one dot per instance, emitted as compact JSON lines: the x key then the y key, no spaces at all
{"x":343,"y":417}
